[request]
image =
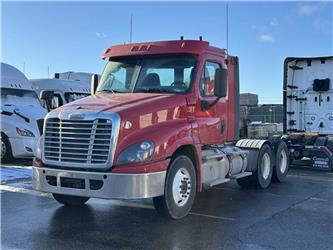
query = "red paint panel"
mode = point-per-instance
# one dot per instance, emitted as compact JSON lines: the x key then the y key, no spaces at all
{"x":140,"y":168}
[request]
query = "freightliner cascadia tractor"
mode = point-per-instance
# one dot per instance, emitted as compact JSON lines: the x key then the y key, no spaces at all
{"x":162,"y":123}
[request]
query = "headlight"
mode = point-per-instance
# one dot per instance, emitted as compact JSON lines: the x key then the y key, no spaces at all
{"x":24,"y":132}
{"x":39,"y":148}
{"x":139,"y":152}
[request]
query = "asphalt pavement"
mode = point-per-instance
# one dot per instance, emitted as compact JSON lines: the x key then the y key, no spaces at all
{"x":295,"y":214}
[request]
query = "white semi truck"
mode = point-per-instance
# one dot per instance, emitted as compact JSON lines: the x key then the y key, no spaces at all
{"x":65,"y":90}
{"x":308,"y":109}
{"x":22,"y":115}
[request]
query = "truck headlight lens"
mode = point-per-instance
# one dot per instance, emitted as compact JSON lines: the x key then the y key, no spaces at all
{"x":39,"y":148}
{"x":24,"y":132}
{"x":139,"y":152}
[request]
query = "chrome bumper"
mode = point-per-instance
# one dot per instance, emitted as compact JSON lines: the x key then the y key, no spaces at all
{"x":114,"y":185}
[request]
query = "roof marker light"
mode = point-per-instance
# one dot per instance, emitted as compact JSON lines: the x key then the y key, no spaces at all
{"x":107,"y":50}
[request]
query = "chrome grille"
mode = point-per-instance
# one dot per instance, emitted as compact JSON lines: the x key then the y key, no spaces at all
{"x":78,"y":141}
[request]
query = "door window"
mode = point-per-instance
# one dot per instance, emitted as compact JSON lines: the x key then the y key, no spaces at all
{"x":207,"y":78}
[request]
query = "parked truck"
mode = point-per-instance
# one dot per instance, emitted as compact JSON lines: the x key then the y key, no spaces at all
{"x":64,"y":90}
{"x":308,"y":110}
{"x":22,"y":115}
{"x":162,"y":123}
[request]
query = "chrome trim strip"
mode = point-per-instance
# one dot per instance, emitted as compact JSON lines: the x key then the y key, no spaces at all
{"x":115,"y":186}
{"x":89,"y":115}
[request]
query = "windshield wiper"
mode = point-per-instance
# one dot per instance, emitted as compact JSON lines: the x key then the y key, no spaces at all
{"x":155,"y":90}
{"x":112,"y":91}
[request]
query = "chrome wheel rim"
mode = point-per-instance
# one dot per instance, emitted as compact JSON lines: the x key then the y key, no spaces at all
{"x":3,"y":149}
{"x":265,"y":166}
{"x":283,"y":161}
{"x":181,"y":187}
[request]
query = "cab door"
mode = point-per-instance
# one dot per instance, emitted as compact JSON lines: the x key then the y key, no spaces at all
{"x":212,"y":124}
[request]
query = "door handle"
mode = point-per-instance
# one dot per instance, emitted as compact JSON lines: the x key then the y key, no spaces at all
{"x":222,"y":126}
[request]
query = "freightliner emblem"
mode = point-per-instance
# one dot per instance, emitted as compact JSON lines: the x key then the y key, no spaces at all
{"x":76,"y":116}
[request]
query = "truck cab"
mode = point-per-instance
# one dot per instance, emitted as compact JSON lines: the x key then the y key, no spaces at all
{"x":162,"y":123}
{"x":22,"y":115}
{"x":308,"y":109}
{"x":65,"y":90}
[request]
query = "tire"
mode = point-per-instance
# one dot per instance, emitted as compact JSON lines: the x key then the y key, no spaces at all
{"x":282,"y":161}
{"x":6,"y":150}
{"x":179,"y":191}
{"x":263,"y":175}
{"x":69,"y":200}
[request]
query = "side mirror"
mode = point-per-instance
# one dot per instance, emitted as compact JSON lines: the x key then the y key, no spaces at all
{"x":47,"y":97}
{"x":93,"y":84}
{"x":221,"y":82}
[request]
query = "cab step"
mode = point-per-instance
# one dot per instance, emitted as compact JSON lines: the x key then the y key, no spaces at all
{"x":215,"y":182}
{"x":240,"y":175}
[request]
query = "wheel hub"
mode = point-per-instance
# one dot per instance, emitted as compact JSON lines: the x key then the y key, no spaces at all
{"x":181,"y":187}
{"x":266,"y":165}
{"x":283,"y":161}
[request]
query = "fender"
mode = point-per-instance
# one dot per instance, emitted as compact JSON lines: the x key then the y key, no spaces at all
{"x":253,"y":146}
{"x":167,"y":136}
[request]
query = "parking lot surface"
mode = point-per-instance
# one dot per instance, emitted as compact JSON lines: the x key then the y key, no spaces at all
{"x":295,"y":214}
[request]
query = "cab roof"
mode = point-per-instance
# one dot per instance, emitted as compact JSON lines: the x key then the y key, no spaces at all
{"x":12,"y":78}
{"x":194,"y":47}
{"x":61,"y":85}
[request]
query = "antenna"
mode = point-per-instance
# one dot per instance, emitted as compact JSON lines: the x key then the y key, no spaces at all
{"x":48,"y":71}
{"x":227,"y":25}
{"x":131,"y":28}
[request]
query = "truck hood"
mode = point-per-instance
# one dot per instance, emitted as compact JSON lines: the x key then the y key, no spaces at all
{"x":123,"y":102}
{"x":31,"y":112}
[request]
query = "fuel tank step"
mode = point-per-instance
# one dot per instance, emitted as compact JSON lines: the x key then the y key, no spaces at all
{"x":240,"y":175}
{"x":215,"y":182}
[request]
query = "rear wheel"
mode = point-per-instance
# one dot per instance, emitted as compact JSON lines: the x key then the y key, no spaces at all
{"x":179,"y":191}
{"x":69,"y":200}
{"x":6,"y":152}
{"x":262,"y":177}
{"x":281,"y":163}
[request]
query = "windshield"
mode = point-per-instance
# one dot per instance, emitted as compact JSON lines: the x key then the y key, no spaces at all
{"x":70,"y":97}
{"x":20,"y":97}
{"x":148,"y":74}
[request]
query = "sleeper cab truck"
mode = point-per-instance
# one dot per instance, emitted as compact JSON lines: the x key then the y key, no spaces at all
{"x":161,"y":123}
{"x":22,"y":115}
{"x":64,"y":90}
{"x":308,"y":110}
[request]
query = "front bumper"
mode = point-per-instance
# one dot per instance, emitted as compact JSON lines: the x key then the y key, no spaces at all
{"x":114,"y":185}
{"x":23,"y":146}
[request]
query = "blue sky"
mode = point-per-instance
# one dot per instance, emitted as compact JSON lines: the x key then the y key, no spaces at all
{"x":69,"y":36}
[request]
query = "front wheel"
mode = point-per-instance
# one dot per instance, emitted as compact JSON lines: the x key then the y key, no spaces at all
{"x":69,"y":200}
{"x":179,"y":191}
{"x":6,"y":152}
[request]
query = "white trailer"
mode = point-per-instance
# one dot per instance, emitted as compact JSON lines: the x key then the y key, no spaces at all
{"x":22,"y":115}
{"x":308,"y":109}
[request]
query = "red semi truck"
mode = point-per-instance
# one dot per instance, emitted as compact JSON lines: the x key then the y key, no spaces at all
{"x":162,"y":123}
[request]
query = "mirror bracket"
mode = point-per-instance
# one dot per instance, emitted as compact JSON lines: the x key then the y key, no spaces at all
{"x":205,"y":105}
